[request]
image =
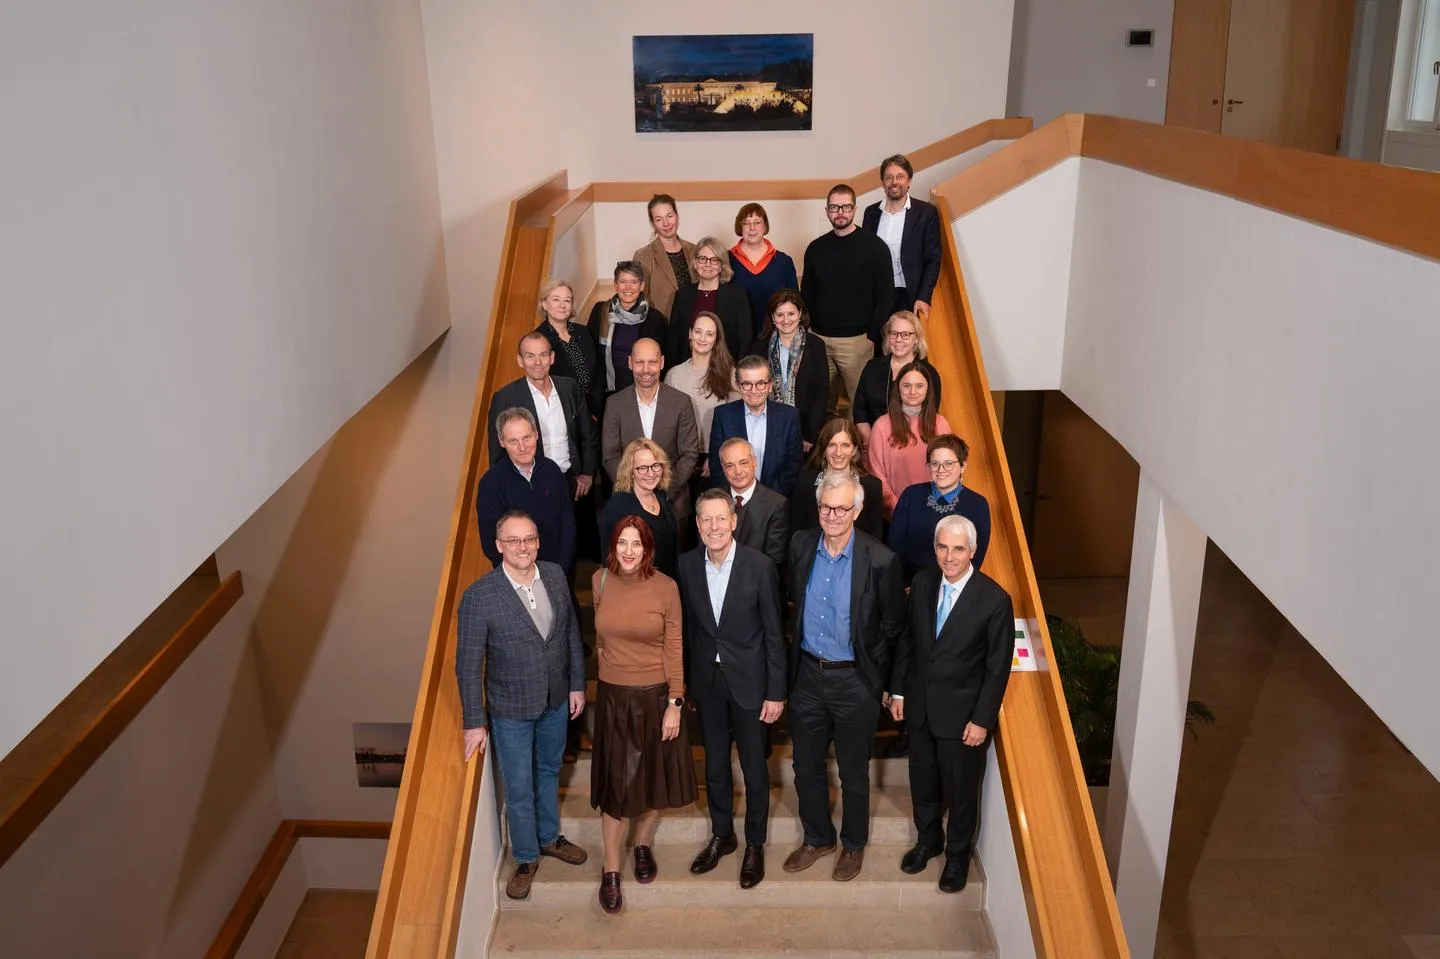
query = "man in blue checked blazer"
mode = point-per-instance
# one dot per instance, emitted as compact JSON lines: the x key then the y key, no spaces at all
{"x":521,"y":667}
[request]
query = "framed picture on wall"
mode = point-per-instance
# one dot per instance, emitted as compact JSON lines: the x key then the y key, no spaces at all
{"x":723,"y":82}
{"x":380,"y":750}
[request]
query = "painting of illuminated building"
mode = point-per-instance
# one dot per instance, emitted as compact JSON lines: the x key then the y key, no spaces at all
{"x":723,"y":82}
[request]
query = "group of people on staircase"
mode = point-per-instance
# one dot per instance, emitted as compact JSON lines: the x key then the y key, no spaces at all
{"x":758,"y":553}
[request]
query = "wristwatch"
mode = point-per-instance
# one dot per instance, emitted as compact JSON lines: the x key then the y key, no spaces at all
{"x":677,"y":701}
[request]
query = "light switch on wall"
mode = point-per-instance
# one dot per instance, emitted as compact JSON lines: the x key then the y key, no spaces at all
{"x":1150,"y":82}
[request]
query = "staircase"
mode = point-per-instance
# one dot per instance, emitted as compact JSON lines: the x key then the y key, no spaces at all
{"x":881,"y":912}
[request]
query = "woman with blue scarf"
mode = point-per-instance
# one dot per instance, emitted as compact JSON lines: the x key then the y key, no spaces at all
{"x":921,"y":506}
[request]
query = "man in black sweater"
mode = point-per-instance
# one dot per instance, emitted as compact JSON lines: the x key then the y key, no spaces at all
{"x":848,"y":287}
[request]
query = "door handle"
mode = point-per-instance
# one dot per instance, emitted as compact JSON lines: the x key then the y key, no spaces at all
{"x":1232,"y":103}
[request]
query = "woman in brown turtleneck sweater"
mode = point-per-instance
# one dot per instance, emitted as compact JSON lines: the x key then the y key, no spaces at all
{"x":641,"y":763}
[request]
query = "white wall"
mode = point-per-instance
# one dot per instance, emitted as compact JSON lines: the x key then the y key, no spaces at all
{"x":1418,"y":150}
{"x":1014,"y":251}
{"x":147,"y":853}
{"x":1005,"y":907}
{"x":1367,"y":96}
{"x":1071,"y":57}
{"x":221,"y":238}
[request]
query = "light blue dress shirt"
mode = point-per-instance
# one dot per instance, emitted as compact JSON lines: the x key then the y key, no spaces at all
{"x":825,"y":627}
{"x":717,"y":581}
{"x":755,"y":433}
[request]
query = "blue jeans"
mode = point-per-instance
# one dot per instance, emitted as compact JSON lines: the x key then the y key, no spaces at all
{"x":530,"y":752}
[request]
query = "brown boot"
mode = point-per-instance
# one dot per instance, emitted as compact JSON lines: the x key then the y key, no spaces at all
{"x":519,"y":885}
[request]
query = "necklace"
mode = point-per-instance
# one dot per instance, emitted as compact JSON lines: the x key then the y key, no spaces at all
{"x":942,"y":506}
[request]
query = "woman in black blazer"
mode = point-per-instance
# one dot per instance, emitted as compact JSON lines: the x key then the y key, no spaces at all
{"x":903,"y":341}
{"x":785,"y":342}
{"x":712,"y":292}
{"x":576,"y":354}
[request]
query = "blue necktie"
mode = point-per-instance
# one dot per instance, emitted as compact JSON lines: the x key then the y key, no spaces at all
{"x":947,"y":599}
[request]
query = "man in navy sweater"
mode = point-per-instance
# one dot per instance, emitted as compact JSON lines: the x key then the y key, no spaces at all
{"x":532,"y":484}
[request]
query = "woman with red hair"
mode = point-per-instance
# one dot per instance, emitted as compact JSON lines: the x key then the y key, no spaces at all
{"x":642,"y":761}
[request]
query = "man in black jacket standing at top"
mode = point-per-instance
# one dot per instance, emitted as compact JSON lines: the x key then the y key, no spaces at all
{"x":849,"y":288}
{"x":950,"y":674}
{"x":911,"y":231}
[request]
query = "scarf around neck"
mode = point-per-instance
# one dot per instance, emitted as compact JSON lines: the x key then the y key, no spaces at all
{"x":619,"y":316}
{"x":782,"y":388}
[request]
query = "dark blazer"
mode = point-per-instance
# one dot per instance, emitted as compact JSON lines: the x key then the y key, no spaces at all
{"x":963,"y":672}
{"x":872,"y":392}
{"x":496,"y":650}
{"x":733,"y":308}
{"x":805,"y":514}
{"x":764,"y":522}
{"x":812,"y":387}
{"x":584,"y":444}
{"x":877,"y":605}
{"x":675,"y":430}
{"x":783,"y":452}
{"x":919,"y":246}
{"x":749,"y":637}
{"x":653,"y":327}
{"x":545,"y":498}
{"x":563,"y":367}
{"x":663,"y":528}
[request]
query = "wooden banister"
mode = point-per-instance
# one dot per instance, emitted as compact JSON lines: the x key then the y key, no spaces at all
{"x":51,"y":759}
{"x":272,"y":862}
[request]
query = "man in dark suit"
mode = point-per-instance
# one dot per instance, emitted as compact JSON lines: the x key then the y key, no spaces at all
{"x":521,"y":479}
{"x":949,"y":677}
{"x":773,"y":429}
{"x":764,"y":514}
{"x":735,"y":674}
{"x":567,"y":432}
{"x":520,"y":667}
{"x":911,"y":229}
{"x":662,"y":413}
{"x":849,"y":613}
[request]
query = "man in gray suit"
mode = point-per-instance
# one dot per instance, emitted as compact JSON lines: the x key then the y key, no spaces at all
{"x":662,"y":413}
{"x":518,"y":651}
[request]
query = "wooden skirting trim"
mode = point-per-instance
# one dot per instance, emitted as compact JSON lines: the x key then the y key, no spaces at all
{"x":272,"y":862}
{"x":48,"y":762}
{"x":1391,"y":205}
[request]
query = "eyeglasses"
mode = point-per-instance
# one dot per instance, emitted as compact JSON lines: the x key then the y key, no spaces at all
{"x":943,"y":465}
{"x":652,"y":468}
{"x":514,"y":542}
{"x":753,"y":221}
{"x":840,"y":208}
{"x":707,"y":261}
{"x":902,"y":334}
{"x":751,"y":387}
{"x":835,"y":512}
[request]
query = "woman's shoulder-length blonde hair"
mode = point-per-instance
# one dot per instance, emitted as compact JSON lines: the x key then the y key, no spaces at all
{"x":922,"y":345}
{"x":727,"y":272}
{"x":550,"y":286}
{"x":625,"y":472}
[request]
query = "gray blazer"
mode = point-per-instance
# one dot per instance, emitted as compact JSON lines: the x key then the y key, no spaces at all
{"x":674,"y":430}
{"x":501,"y":660}
{"x":765,"y":523}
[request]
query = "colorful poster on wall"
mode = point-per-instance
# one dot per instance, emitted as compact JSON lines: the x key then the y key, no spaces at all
{"x":725,"y":82}
{"x":1023,"y":659}
{"x":380,"y":750}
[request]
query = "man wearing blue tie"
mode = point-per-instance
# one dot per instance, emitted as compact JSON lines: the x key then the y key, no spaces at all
{"x":950,"y":674}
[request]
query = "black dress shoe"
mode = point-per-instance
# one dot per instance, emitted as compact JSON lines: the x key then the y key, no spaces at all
{"x":752,"y":867}
{"x":956,"y":871}
{"x":899,"y":747}
{"x":645,"y":868}
{"x":914,"y":862}
{"x":610,"y":898}
{"x":709,"y":857}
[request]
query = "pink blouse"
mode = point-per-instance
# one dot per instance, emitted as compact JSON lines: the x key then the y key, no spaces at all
{"x":897,"y":469}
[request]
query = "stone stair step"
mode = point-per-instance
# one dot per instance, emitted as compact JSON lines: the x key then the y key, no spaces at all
{"x":816,"y":933}
{"x":883,"y":771}
{"x":880,"y":885}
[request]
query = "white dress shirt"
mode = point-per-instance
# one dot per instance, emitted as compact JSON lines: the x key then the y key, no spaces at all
{"x":717,"y":581}
{"x":647,"y":412}
{"x":554,"y":431}
{"x":746,"y":493}
{"x":891,"y":229}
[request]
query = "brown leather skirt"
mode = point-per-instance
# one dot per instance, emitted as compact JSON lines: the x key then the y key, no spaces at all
{"x":633,"y":770}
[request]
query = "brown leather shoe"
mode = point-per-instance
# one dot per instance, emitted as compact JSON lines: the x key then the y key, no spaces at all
{"x":804,"y":857}
{"x":610,"y":898}
{"x":645,"y":868}
{"x":519,"y":885}
{"x":847,"y":867}
{"x":565,"y":851}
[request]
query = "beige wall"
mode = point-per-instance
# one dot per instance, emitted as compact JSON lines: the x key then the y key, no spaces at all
{"x":148,"y":852}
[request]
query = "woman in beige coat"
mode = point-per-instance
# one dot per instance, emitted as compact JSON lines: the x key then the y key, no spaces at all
{"x":666,"y":257}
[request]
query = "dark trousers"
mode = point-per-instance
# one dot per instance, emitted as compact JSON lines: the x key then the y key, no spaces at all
{"x":945,"y":777}
{"x":902,"y":300}
{"x":832,"y":705}
{"x":723,"y":722}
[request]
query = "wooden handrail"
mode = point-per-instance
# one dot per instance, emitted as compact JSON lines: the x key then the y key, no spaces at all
{"x":272,"y":862}
{"x":47,"y":763}
{"x":1391,"y":205}
{"x":422,"y":887}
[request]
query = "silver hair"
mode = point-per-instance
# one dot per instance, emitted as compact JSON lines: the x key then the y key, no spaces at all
{"x":955,"y":523}
{"x":835,"y":479}
{"x":515,"y":413}
{"x":737,"y":441}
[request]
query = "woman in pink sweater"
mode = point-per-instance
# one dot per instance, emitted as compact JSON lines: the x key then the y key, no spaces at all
{"x":896,"y":452}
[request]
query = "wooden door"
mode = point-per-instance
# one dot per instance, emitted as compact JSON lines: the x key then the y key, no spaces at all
{"x":1286,"y":68}
{"x":1198,"y":40}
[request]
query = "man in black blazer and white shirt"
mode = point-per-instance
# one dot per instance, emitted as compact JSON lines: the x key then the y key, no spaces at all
{"x":949,"y":677}
{"x":735,"y":674}
{"x":911,"y":229}
{"x":764,"y":514}
{"x":567,"y":431}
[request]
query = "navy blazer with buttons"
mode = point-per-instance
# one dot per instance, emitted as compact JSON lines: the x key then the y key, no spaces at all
{"x":919,"y":247}
{"x":783,"y":446}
